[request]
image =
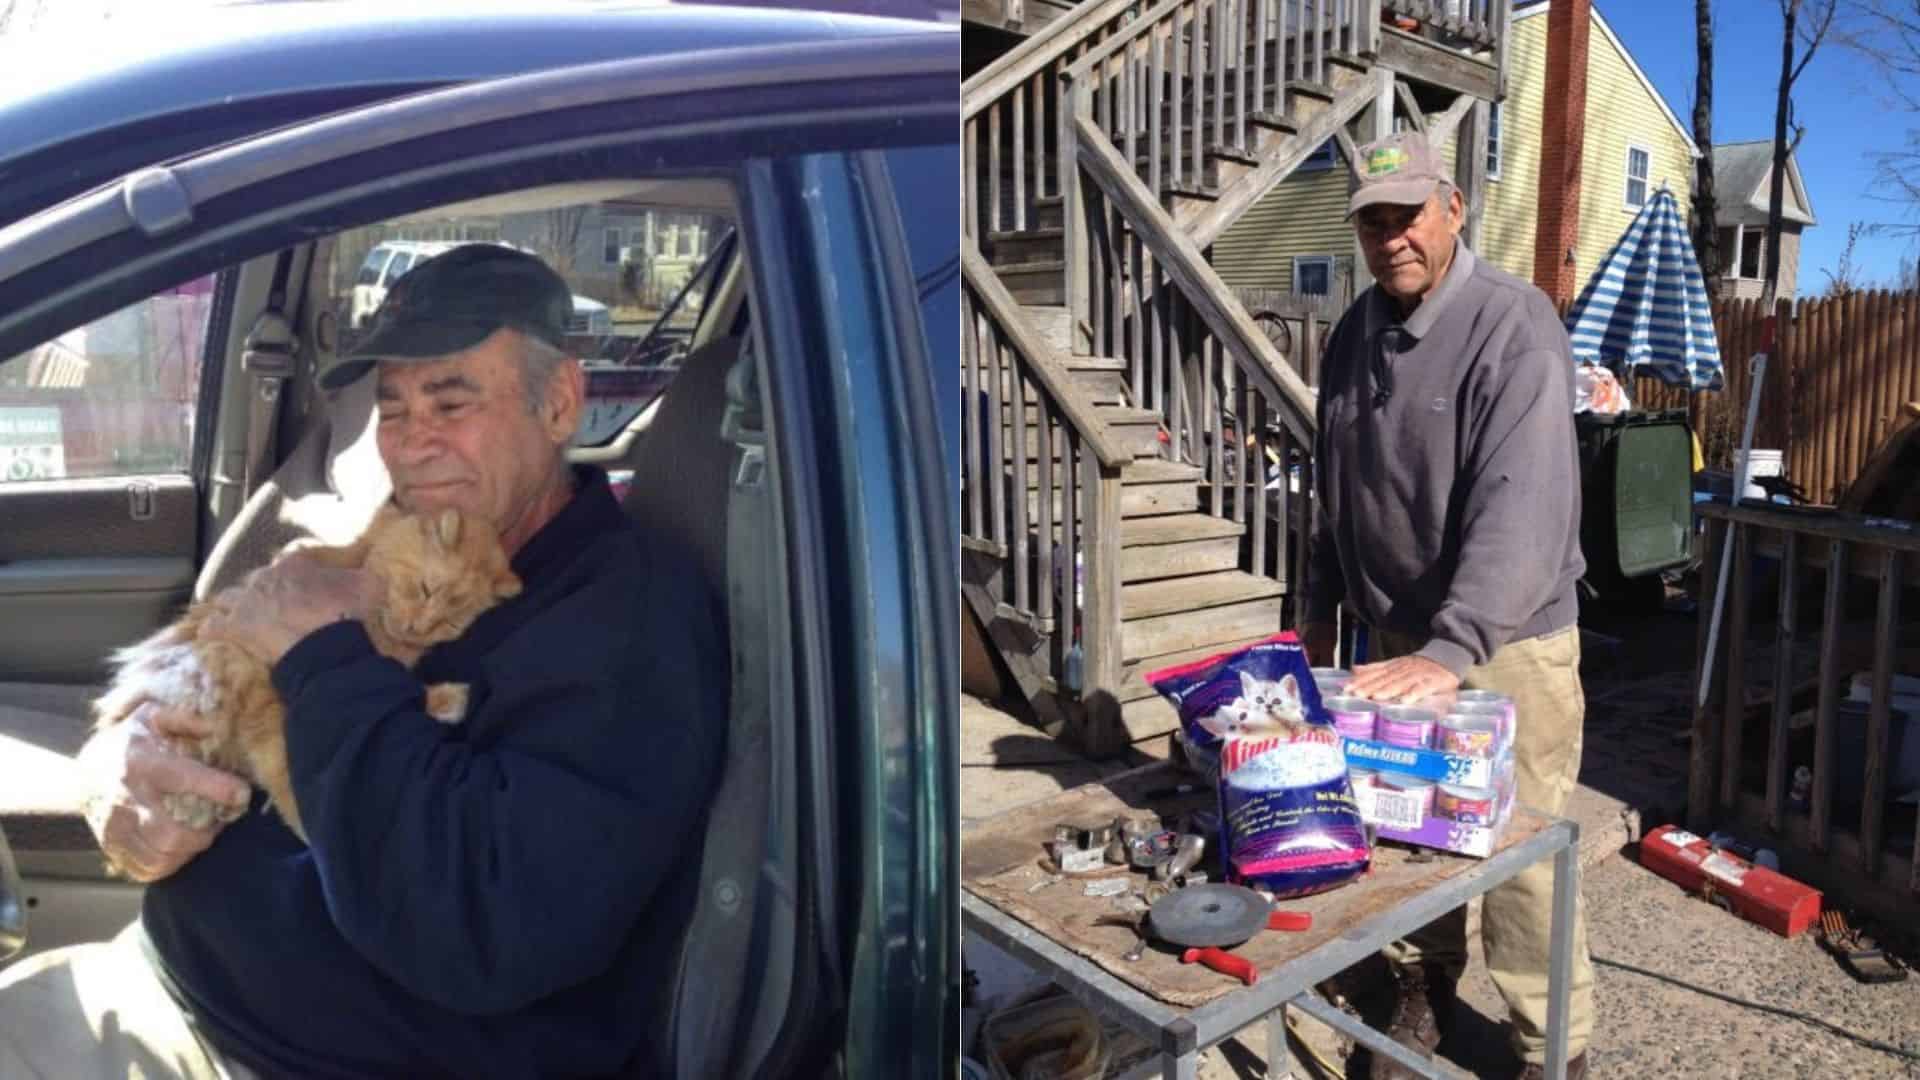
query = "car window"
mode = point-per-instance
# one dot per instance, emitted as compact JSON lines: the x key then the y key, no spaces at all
{"x":370,"y":270}
{"x":632,"y":316}
{"x":115,"y":397}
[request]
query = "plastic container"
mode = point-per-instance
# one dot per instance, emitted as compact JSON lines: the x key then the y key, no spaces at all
{"x":1764,"y":463}
{"x":1353,"y":718}
{"x":1055,"y":1036}
{"x":1406,"y":725}
{"x":1491,"y":697}
{"x":1331,"y":681}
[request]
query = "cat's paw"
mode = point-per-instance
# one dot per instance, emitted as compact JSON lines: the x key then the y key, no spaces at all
{"x":447,"y":702}
{"x":198,"y":811}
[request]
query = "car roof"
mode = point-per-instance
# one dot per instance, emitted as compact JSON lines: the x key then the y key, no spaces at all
{"x":120,"y":95}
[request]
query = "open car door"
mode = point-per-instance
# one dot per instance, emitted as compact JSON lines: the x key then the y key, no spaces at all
{"x":828,"y":918}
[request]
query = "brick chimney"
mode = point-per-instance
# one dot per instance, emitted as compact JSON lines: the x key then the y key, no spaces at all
{"x":1563,"y":137}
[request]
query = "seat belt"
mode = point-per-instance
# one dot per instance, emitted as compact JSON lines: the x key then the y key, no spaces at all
{"x":267,"y":357}
{"x":708,"y":1023}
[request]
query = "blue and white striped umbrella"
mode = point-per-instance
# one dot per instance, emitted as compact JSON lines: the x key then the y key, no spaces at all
{"x":1647,"y":305}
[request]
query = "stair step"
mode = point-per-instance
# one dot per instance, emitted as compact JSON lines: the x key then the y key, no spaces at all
{"x":1177,"y":529}
{"x":1049,"y":212}
{"x":1149,"y":472}
{"x":1169,"y":558}
{"x":1055,"y":325}
{"x":1029,"y":245}
{"x":1133,"y":673}
{"x":1136,"y":431}
{"x":1039,"y":282}
{"x":1202,"y":591}
{"x":1187,"y":613}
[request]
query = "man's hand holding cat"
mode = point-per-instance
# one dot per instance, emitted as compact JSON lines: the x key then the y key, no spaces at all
{"x":280,"y":604}
{"x":134,"y":774}
{"x":1402,"y":681}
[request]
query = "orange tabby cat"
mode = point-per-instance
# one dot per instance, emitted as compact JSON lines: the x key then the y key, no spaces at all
{"x":440,"y":572}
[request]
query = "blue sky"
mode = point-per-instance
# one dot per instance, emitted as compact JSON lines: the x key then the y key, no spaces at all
{"x":1847,"y":114}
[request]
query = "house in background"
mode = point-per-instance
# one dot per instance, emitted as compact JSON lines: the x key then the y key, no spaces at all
{"x":1742,"y":185}
{"x":1295,"y":240}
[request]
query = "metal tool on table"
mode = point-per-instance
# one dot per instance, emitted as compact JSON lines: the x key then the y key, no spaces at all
{"x":1080,"y":849}
{"x":1206,"y":920}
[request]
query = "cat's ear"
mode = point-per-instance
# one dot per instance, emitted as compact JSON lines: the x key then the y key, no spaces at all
{"x":447,"y":527}
{"x":1249,"y":686}
{"x":1290,"y":687}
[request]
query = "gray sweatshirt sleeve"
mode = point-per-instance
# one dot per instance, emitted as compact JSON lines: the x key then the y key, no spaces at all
{"x":1518,"y":516}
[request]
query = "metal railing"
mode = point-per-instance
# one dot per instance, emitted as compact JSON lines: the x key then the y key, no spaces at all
{"x":1799,"y":712}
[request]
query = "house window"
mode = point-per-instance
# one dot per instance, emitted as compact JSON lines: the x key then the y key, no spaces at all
{"x":611,"y":253}
{"x":1321,"y":159}
{"x":1493,"y":141}
{"x":1639,"y":168}
{"x":1313,"y":275}
{"x":1753,"y":251}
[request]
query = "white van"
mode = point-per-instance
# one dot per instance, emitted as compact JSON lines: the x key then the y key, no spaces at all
{"x":391,"y":259}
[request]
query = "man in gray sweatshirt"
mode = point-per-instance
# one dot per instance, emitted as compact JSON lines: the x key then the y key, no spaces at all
{"x":1448,"y":522}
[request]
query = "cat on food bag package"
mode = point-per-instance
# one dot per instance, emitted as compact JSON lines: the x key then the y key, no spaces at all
{"x":1251,"y":720}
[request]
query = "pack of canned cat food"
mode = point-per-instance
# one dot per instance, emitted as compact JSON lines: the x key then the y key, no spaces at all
{"x":1437,"y":774}
{"x":1252,"y":721}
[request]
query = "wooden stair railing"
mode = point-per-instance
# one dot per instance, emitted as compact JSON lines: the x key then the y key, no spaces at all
{"x":1008,"y":371}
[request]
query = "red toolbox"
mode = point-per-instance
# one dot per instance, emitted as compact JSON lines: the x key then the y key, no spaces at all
{"x":1754,"y":893}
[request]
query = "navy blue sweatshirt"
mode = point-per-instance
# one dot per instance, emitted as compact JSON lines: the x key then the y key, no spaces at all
{"x":499,"y":898}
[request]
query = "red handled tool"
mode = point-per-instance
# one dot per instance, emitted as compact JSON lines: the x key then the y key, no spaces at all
{"x":1209,"y":919}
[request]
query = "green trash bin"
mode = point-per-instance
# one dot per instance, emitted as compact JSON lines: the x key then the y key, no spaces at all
{"x":1636,"y":488}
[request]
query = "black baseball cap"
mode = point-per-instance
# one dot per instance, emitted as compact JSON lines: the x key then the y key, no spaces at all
{"x":453,"y":302}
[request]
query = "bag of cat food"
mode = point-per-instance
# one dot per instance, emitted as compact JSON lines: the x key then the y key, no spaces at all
{"x":1252,"y":721}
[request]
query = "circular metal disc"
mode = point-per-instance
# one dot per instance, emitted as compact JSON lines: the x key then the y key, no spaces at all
{"x":1214,"y":914}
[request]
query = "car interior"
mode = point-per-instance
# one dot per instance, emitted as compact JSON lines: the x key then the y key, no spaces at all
{"x":169,"y":449}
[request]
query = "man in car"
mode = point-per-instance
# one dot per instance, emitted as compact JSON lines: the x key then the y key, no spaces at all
{"x":1448,"y":523}
{"x":503,"y":897}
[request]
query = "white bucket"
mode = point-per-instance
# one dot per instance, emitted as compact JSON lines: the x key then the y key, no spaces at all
{"x":1765,"y":463}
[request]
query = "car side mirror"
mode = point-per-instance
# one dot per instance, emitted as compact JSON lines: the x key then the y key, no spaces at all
{"x":13,"y":904}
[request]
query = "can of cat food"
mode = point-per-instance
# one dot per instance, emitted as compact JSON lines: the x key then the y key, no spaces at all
{"x":1331,"y":681}
{"x":1492,"y":697}
{"x":1406,"y":725}
{"x":1398,"y":801}
{"x":1469,"y":730}
{"x":1468,"y":806}
{"x":1352,"y":717}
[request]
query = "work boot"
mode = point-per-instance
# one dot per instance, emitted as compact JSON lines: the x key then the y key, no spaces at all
{"x":1576,"y":1068}
{"x":1424,"y":996}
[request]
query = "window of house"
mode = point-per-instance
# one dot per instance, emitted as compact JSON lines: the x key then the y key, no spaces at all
{"x":1313,"y":275}
{"x":1639,"y":169}
{"x":610,"y":254}
{"x":1753,"y":251}
{"x":1321,"y":158}
{"x":1493,"y":141}
{"x":112,"y":398}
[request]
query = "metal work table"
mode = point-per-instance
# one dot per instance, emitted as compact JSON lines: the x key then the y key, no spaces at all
{"x":1184,"y":1009}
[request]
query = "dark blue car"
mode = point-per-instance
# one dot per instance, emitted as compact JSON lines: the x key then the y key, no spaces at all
{"x":763,"y":201}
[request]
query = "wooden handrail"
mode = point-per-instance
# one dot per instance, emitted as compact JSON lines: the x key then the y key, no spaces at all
{"x":1053,"y":379}
{"x":1140,"y":26}
{"x":1036,"y":54}
{"x":1851,"y":528}
{"x":1210,"y":297}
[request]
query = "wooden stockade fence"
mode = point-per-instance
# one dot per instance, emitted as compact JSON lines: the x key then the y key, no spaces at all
{"x":1841,"y":369}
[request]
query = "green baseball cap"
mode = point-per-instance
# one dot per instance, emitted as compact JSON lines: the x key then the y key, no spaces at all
{"x":1402,"y":169}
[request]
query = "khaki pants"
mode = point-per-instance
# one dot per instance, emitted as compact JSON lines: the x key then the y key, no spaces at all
{"x":99,"y":1011}
{"x":1542,"y":676}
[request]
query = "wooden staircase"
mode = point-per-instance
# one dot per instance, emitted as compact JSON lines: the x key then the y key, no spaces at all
{"x":1112,"y":524}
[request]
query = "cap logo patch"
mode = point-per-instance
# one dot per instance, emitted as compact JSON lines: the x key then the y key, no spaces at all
{"x":1386,"y":160}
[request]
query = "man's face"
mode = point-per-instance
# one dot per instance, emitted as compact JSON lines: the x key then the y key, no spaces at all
{"x":1408,"y":247}
{"x":457,"y":432}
